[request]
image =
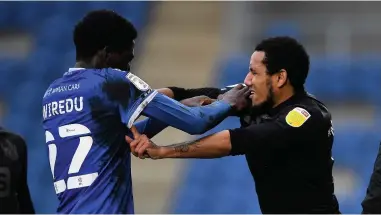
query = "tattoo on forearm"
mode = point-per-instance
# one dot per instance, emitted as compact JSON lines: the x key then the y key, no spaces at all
{"x":182,"y":148}
{"x":185,"y":146}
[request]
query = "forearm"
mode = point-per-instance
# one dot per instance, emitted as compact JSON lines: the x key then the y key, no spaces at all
{"x":179,"y":94}
{"x":213,"y":146}
{"x":150,"y":127}
{"x":166,"y":91}
{"x":195,"y":120}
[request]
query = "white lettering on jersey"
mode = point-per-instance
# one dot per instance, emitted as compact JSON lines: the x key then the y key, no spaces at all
{"x":60,"y":89}
{"x":62,"y":107}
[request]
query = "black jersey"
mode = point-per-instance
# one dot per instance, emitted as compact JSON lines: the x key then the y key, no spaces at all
{"x":14,"y":191}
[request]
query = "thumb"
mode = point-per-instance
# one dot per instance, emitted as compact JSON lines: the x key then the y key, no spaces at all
{"x":239,"y":87}
{"x":206,"y":101}
{"x":128,"y":139}
{"x":135,"y":132}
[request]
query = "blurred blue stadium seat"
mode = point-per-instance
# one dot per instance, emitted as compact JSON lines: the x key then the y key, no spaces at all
{"x":366,"y":77}
{"x":282,"y":28}
{"x":328,"y":77}
{"x":233,"y":69}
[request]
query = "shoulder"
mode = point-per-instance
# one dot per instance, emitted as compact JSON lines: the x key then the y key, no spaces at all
{"x":13,"y":137}
{"x":12,"y":145}
{"x":127,"y":77}
{"x":303,"y":114}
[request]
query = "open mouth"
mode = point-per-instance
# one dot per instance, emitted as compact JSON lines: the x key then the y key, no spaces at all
{"x":251,"y":93}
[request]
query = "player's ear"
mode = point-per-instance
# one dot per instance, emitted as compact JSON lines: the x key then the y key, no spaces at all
{"x":100,"y":59}
{"x":106,"y":54}
{"x":281,"y":78}
{"x":110,"y":57}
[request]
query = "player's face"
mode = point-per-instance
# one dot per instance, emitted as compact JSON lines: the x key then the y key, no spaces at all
{"x":259,"y":81}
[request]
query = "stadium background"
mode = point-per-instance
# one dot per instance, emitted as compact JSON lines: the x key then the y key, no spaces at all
{"x":196,"y":44}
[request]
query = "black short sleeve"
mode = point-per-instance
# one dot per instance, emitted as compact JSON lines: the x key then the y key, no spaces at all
{"x":292,"y":126}
{"x":181,"y":93}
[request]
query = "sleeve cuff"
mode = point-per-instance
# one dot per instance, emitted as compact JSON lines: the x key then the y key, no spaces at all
{"x":234,"y":141}
{"x":178,"y":93}
{"x":138,"y":110}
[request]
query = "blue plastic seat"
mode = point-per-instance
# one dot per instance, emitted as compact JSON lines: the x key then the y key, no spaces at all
{"x":72,"y":10}
{"x":367,"y":66}
{"x":282,"y":28}
{"x":233,"y":69}
{"x":55,"y":33}
{"x":328,"y":78}
{"x":31,"y":14}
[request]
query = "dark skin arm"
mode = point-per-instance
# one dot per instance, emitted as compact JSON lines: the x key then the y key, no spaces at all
{"x":166,"y":91}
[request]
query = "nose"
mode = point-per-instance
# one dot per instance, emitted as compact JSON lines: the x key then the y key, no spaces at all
{"x":248,"y":78}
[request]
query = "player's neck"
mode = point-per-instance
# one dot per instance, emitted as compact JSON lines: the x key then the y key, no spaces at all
{"x":87,"y":64}
{"x":83,"y":64}
{"x":286,"y":94}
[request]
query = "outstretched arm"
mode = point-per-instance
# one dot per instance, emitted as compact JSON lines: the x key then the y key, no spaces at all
{"x":151,"y":127}
{"x":194,"y":120}
{"x":290,"y":126}
{"x":179,"y":93}
{"x":134,"y":97}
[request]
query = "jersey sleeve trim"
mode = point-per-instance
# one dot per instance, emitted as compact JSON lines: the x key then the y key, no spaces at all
{"x":140,"y":108}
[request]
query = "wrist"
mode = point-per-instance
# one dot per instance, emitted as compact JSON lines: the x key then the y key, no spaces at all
{"x":167,"y":91}
{"x":178,"y":93}
{"x":164,"y":152}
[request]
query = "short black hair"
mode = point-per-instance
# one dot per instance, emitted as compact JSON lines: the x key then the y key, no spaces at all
{"x":288,"y":54}
{"x":100,"y":29}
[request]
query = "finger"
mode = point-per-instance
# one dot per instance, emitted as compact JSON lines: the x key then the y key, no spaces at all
{"x":128,"y":139}
{"x":135,"y":132}
{"x":244,"y":90}
{"x":206,"y":101}
{"x":247,"y":93}
{"x":238,"y":87}
{"x":132,"y":148}
{"x":146,"y":154}
{"x":142,"y":152}
{"x":139,"y":144}
{"x":131,"y":141}
{"x":143,"y":149}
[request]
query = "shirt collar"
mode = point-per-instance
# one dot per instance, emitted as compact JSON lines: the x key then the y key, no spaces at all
{"x":71,"y":70}
{"x":290,"y":101}
{"x":74,"y":69}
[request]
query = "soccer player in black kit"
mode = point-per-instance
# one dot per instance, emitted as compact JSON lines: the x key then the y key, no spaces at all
{"x":14,"y":191}
{"x":287,"y":138}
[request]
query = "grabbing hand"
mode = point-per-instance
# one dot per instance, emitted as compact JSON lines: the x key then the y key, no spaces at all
{"x":237,"y":97}
{"x":141,"y":146}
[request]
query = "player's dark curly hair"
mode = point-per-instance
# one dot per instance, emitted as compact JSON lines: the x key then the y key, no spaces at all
{"x":100,"y":29}
{"x":288,"y":54}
